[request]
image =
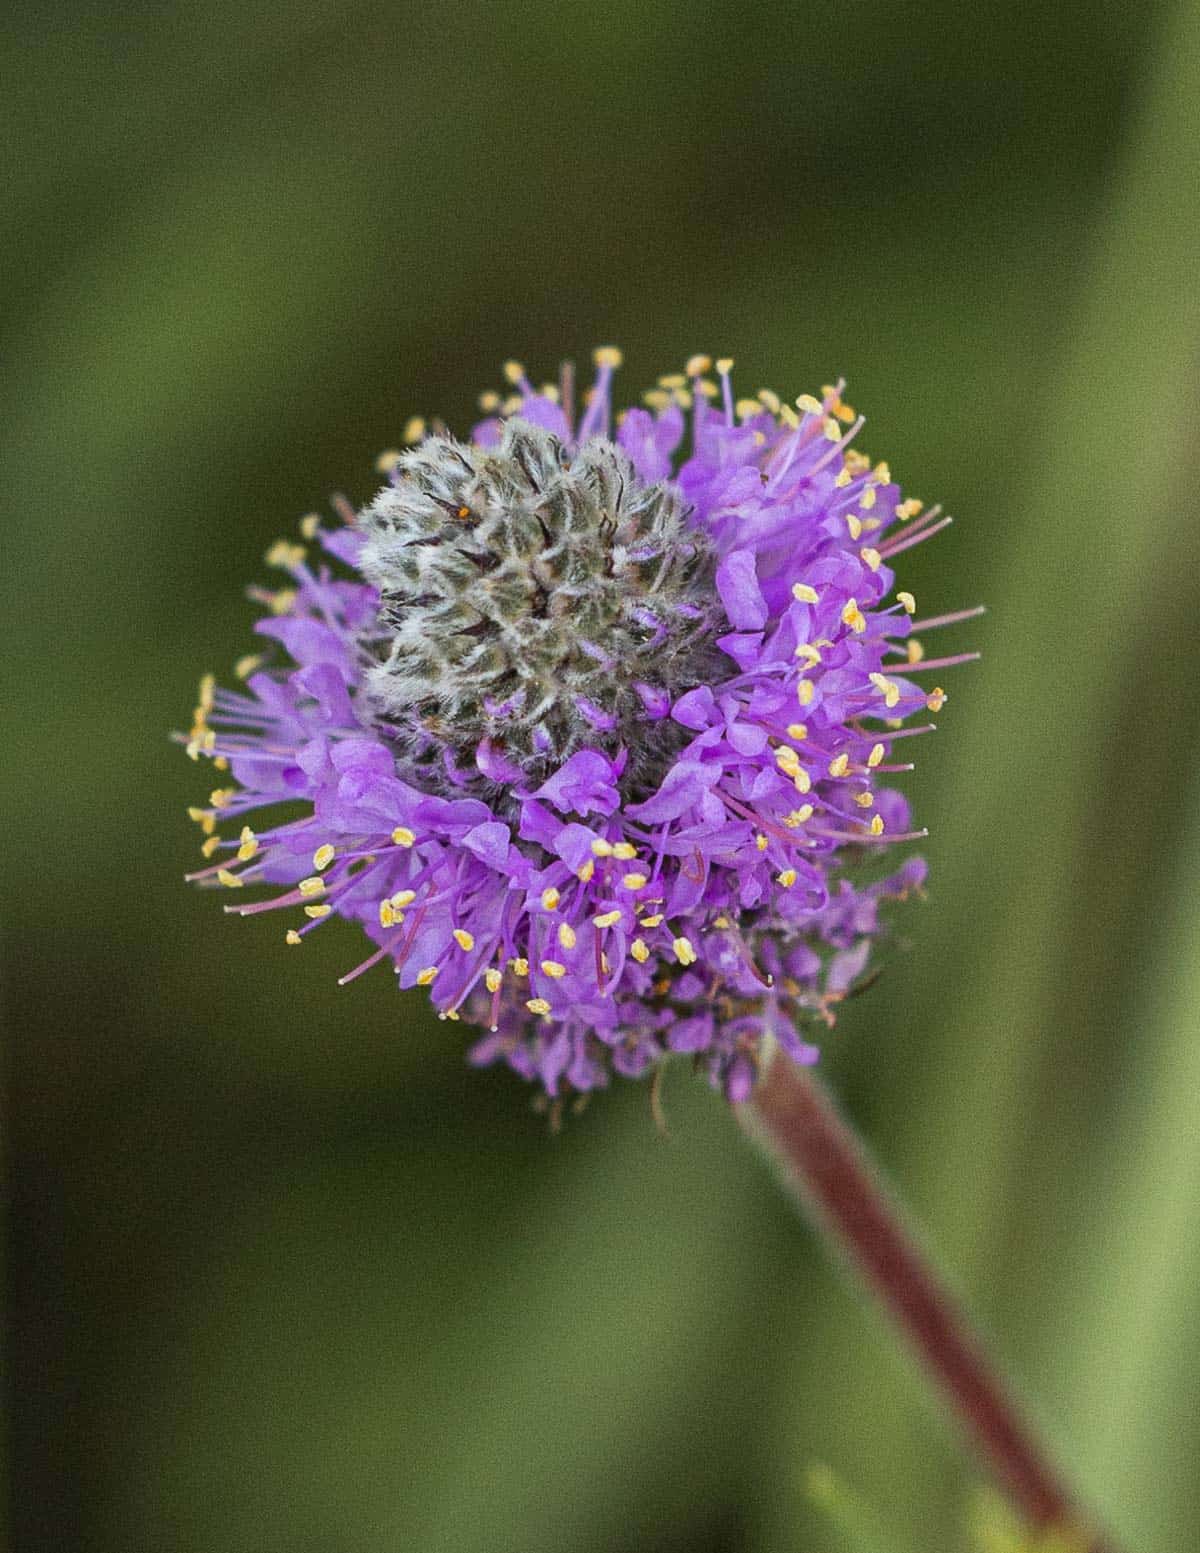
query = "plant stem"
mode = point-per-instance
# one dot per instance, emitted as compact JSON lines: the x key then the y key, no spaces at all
{"x":827,"y":1167}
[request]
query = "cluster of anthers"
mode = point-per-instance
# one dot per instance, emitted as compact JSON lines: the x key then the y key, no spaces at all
{"x":587,"y":724}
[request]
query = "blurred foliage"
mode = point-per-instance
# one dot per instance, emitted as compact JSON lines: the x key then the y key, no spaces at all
{"x":289,"y":1277}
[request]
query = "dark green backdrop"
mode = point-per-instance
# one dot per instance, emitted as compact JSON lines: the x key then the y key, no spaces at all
{"x":287,"y":1276}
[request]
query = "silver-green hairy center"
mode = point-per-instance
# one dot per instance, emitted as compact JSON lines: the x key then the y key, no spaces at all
{"x":527,"y":591}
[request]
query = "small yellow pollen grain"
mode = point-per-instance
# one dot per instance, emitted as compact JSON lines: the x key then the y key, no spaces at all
{"x":936,"y":699}
{"x":882,"y":473}
{"x":832,"y":430}
{"x":280,"y":603}
{"x":864,"y":800}
{"x":554,"y":969}
{"x":520,"y":966}
{"x":245,"y":666}
{"x":220,"y":796}
{"x":810,"y":654}
{"x":805,"y":691}
{"x":513,"y":372}
{"x":489,"y":401}
{"x":388,"y":460}
{"x":876,"y":755}
{"x":414,"y":428}
{"x":651,"y":921}
{"x":550,"y":898}
{"x":220,"y":764}
{"x":787,"y":759}
{"x":803,"y":594}
{"x":801,"y":780}
{"x":722,"y":922}
{"x":798,"y":816}
{"x":292,"y":937}
{"x":672,"y":380}
{"x":684,"y":952}
{"x":210,"y":846}
{"x":323,"y":856}
{"x":839,"y":765}
{"x":787,"y":878}
{"x":909,"y":603}
{"x":639,"y":950}
{"x":871,"y":557}
{"x":697,"y":366}
{"x":537,"y":1005}
{"x":853,"y":616}
{"x":608,"y":356}
{"x":747,"y":408}
{"x":761,"y":842}
{"x":810,"y":405}
{"x":403,"y":837}
{"x":876,"y":825}
{"x":313,"y":885}
{"x":316,"y":912}
{"x":228,"y":879}
{"x":909,"y":509}
{"x":707,"y":387}
{"x":724,"y":365}
{"x":425,"y":976}
{"x":310,"y":525}
{"x":602,"y":848}
{"x":625,"y":850}
{"x":586,"y":872}
{"x":915,"y":650}
{"x":492,"y":979}
{"x":464,"y":940}
{"x":387,"y":917}
{"x":284,"y":554}
{"x":607,"y":919}
{"x":868,"y":498}
{"x":771,"y":399}
{"x":634,"y":881}
{"x":403,"y":898}
{"x":887,"y":688}
{"x":566,"y":935}
{"x":854,"y":524}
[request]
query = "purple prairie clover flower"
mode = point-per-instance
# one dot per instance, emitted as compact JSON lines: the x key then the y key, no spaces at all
{"x":586,"y":721}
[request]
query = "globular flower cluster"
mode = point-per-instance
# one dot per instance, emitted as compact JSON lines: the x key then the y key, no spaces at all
{"x":587,"y":726}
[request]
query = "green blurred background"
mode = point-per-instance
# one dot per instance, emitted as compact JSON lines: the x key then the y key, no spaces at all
{"x":286,"y":1275}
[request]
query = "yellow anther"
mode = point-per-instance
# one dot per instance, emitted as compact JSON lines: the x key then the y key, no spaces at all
{"x":656,"y":398}
{"x":425,"y":976}
{"x":882,"y":473}
{"x":228,"y":879}
{"x":887,"y":688}
{"x":464,"y":940}
{"x":280,"y":603}
{"x":520,"y":966}
{"x":566,"y":935}
{"x":210,"y":846}
{"x":724,"y":365}
{"x":876,"y":825}
{"x":915,"y":650}
{"x":208,"y":685}
{"x":414,"y":428}
{"x":908,"y":509}
{"x":771,"y":399}
{"x":586,"y":872}
{"x":832,"y":430}
{"x":310,"y":525}
{"x":634,"y":881}
{"x":514,"y":371}
{"x":221,"y":764}
{"x":323,"y":856}
{"x":707,"y":387}
{"x":317,"y":912}
{"x":787,"y":878}
{"x":805,"y":691}
{"x":651,"y":921}
{"x":858,"y":463}
{"x":803,"y":594}
{"x":672,"y":380}
{"x":871,"y":557}
{"x":284,"y":554}
{"x":249,"y":845}
{"x":608,"y":356}
{"x":387,"y":460}
{"x":607,"y":919}
{"x":489,"y":401}
{"x":843,"y":479}
{"x":462,"y":512}
{"x":839,"y":765}
{"x":810,"y":654}
{"x":810,"y":405}
{"x":403,"y":898}
{"x":682,"y":398}
{"x":747,"y":408}
{"x":550,"y":898}
{"x":788,"y":416}
{"x":876,"y":755}
{"x":314,"y":885}
{"x":640,"y":950}
{"x":220,"y":797}
{"x":786,"y":759}
{"x":853,"y":617}
{"x":761,"y":842}
{"x":684,"y":952}
{"x":512,"y":404}
{"x":387,"y":917}
{"x":554,"y":969}
{"x":246,"y":665}
{"x":801,"y":780}
{"x":492,"y":979}
{"x":864,"y":800}
{"x":549,"y":391}
{"x":602,"y":848}
{"x":697,"y":366}
{"x":403,"y":837}
{"x":798,"y":816}
{"x":625,"y":850}
{"x":537,"y":1005}
{"x":292,"y":937}
{"x":854,"y":524}
{"x":868,"y":498}
{"x":797,"y":731}
{"x":936,"y":699}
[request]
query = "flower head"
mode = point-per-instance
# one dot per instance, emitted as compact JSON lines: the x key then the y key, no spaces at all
{"x":586,"y":728}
